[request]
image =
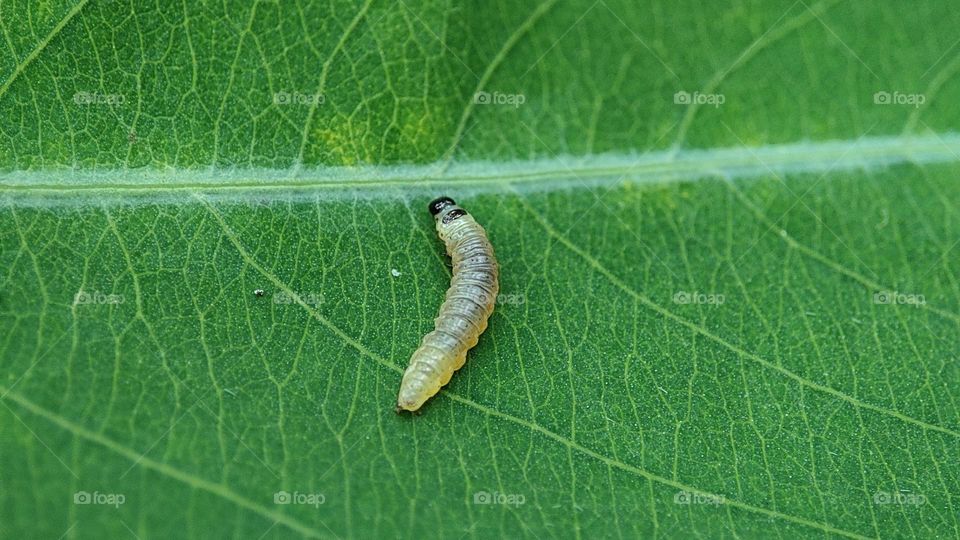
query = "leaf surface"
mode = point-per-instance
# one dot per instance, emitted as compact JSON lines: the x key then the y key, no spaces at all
{"x":733,"y":316}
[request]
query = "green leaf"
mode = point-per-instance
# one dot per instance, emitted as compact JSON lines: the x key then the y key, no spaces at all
{"x":727,"y":237}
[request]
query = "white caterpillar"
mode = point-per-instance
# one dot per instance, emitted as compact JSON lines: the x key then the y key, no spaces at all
{"x":464,"y":313}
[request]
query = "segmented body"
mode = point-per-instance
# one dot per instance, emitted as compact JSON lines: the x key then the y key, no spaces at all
{"x":465,"y":310}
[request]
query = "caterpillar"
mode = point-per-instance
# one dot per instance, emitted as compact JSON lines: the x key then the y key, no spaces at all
{"x":464,"y":312}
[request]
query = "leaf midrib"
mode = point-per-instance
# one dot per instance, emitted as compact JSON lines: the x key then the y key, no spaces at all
{"x":654,"y":166}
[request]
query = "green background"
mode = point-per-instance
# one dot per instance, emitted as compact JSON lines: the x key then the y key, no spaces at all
{"x":595,"y":396}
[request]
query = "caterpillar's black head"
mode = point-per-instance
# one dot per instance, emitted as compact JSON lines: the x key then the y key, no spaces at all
{"x":439,"y":204}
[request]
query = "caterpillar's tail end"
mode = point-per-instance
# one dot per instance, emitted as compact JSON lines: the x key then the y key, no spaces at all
{"x":408,"y":406}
